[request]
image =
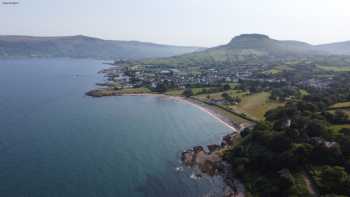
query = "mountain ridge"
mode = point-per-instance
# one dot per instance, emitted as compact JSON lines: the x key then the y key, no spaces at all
{"x":253,"y":49}
{"x":80,"y":46}
{"x":337,"y":48}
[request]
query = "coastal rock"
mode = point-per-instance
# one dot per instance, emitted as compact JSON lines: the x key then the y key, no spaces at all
{"x":213,"y":147}
{"x":187,"y":157}
{"x":198,"y":149}
{"x":102,"y":93}
{"x":211,"y":163}
{"x":227,"y":140}
{"x":208,"y":163}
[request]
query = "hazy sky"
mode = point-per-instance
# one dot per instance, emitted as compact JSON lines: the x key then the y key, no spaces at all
{"x":180,"y":22}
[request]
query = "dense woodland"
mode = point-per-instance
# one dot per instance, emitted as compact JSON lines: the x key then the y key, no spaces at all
{"x":297,"y":142}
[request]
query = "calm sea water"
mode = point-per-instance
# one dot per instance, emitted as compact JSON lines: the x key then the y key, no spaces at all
{"x":54,"y":141}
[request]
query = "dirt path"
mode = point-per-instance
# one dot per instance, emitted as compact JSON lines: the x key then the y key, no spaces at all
{"x":310,"y":186}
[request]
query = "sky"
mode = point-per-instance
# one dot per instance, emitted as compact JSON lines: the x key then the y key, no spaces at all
{"x":179,"y":22}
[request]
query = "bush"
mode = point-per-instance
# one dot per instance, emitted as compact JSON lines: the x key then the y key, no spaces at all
{"x":334,"y":180}
{"x":188,"y":92}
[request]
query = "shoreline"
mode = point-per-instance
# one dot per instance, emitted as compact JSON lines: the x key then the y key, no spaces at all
{"x":201,"y":106}
{"x":209,"y":163}
{"x":216,"y":115}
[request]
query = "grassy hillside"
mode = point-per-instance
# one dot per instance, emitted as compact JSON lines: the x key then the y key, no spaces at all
{"x":260,"y":49}
{"x":85,"y":47}
{"x":339,"y":48}
{"x":245,"y":49}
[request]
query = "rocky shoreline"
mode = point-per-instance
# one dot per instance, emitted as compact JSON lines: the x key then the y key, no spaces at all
{"x":210,"y":163}
{"x":102,"y":93}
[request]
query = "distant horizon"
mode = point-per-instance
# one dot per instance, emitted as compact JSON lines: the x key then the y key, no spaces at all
{"x":170,"y":44}
{"x":203,"y":23}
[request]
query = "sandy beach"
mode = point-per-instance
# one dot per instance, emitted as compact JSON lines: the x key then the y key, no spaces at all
{"x":211,"y":112}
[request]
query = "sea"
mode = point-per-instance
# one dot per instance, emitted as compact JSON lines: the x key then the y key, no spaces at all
{"x":57,"y":142}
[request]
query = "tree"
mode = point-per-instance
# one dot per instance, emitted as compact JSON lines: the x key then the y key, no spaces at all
{"x":245,"y":132}
{"x":188,"y":92}
{"x":264,"y":187}
{"x":226,"y":87}
{"x":286,"y":179}
{"x":161,"y":88}
{"x":321,"y":154}
{"x":302,"y":152}
{"x":279,"y":142}
{"x":345,"y":131}
{"x":334,"y":180}
{"x":341,"y":117}
{"x":317,"y":128}
{"x":227,"y":97}
{"x":344,"y":142}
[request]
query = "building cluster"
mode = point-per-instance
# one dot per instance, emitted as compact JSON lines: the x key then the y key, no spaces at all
{"x":180,"y":77}
{"x":141,"y":75}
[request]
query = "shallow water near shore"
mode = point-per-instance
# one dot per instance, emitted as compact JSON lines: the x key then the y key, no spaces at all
{"x":55,"y":141}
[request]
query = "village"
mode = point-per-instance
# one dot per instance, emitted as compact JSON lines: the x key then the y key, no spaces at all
{"x":122,"y":75}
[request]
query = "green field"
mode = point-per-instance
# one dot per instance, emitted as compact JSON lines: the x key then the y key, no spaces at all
{"x":303,"y":92}
{"x":134,"y":91}
{"x":337,"y":128}
{"x":335,"y":68}
{"x":347,"y":111}
{"x":256,"y":105}
{"x":218,"y":95}
{"x":272,"y":71}
{"x":278,"y":69}
{"x":344,"y":104}
{"x":177,"y":92}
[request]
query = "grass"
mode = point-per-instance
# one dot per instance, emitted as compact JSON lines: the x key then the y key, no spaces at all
{"x":256,"y":105}
{"x":196,"y":90}
{"x":142,"y":90}
{"x":347,"y":111}
{"x":303,"y":92}
{"x":284,"y":67}
{"x":230,"y":116}
{"x":177,"y":92}
{"x":272,"y":71}
{"x":344,"y":104}
{"x":337,"y":128}
{"x":278,"y":69}
{"x":233,"y":93}
{"x":203,"y":97}
{"x":335,"y":68}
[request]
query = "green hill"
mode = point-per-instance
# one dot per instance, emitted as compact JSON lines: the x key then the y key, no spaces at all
{"x":339,"y":48}
{"x":85,"y":47}
{"x":247,"y":49}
